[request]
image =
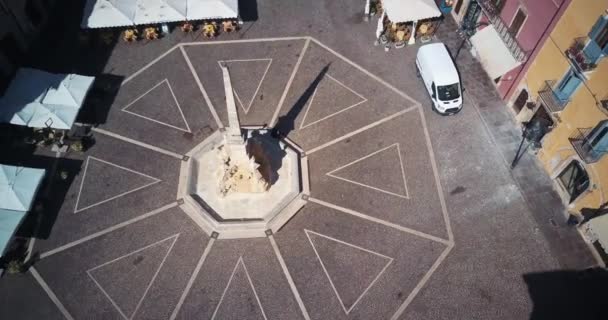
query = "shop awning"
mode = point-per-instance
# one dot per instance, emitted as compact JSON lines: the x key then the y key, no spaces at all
{"x":18,"y":187}
{"x":120,"y":13}
{"x":495,"y":57}
{"x":599,"y":227}
{"x":212,"y":9}
{"x":38,"y":99}
{"x":9,"y":223}
{"x":412,"y":10}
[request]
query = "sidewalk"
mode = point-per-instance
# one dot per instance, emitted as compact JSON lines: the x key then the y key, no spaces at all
{"x":537,"y":188}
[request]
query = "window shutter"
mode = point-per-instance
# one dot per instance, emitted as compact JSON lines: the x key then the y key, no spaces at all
{"x":597,"y":27}
{"x":592,"y":51}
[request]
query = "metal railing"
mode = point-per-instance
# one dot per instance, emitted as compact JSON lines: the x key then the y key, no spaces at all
{"x":576,"y":54}
{"x":581,"y":143}
{"x":550,"y":99}
{"x":493,"y":14}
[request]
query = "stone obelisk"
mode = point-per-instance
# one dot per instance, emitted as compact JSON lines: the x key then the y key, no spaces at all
{"x":240,"y":171}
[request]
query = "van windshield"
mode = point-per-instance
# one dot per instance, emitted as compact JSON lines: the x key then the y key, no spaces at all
{"x":449,"y":92}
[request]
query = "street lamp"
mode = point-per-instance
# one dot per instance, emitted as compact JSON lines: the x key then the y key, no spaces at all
{"x":534,"y":131}
{"x":466,"y":32}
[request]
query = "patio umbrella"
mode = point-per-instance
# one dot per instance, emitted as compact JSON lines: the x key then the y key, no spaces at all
{"x":18,"y":186}
{"x":414,"y":10}
{"x":159,"y":11}
{"x":36,"y":98}
{"x":9,"y":222}
{"x":108,"y":13}
{"x":212,"y":9}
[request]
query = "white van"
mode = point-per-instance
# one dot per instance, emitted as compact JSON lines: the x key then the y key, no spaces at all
{"x":434,"y":64}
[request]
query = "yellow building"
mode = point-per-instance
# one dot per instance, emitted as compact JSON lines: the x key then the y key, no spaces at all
{"x":567,"y":87}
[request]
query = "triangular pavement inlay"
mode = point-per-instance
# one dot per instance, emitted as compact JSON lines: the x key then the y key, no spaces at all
{"x":239,"y":299}
{"x":350,"y":269}
{"x":103,"y":181}
{"x":381,"y":170}
{"x":159,"y":104}
{"x":125,"y":280}
{"x":247,"y":76}
{"x":330,"y":98}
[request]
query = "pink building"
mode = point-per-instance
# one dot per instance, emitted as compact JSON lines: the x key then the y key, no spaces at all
{"x":509,"y":34}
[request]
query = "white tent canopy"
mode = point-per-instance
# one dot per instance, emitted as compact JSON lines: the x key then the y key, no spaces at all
{"x":212,"y":9}
{"x":495,"y":57}
{"x":412,"y":10}
{"x":36,"y":99}
{"x":116,"y":13}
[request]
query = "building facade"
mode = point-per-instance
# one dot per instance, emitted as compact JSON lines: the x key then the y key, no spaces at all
{"x":21,"y":22}
{"x":566,"y":86}
{"x":516,"y":31}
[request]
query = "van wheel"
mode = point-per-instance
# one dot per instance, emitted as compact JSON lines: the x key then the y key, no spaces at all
{"x":417,"y":71}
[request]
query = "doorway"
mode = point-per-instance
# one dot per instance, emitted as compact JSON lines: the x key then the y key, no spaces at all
{"x":574,"y":179}
{"x":521,"y":100}
{"x":518,"y":22}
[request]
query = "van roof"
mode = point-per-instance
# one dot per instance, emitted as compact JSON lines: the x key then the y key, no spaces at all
{"x":438,"y":61}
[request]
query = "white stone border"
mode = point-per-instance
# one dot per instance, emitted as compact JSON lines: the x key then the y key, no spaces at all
{"x":236,"y":95}
{"x":193,"y":277}
{"x":347,"y":310}
{"x":312,"y":98}
{"x":84,"y":175}
{"x":255,"y":293}
{"x":449,"y":243}
{"x":332,"y":173}
{"x":139,"y":302}
{"x":179,"y":108}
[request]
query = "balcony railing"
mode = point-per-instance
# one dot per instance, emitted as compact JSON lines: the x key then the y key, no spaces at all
{"x":581,"y":143}
{"x":493,"y":14}
{"x":579,"y":59}
{"x":550,"y":99}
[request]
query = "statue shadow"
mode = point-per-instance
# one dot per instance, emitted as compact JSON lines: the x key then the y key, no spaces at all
{"x":287,"y":123}
{"x":269,"y":147}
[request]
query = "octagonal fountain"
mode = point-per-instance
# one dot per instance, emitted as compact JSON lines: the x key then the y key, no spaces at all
{"x":242,"y":182}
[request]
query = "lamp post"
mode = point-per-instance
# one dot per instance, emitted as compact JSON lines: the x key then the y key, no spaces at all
{"x":534,"y":131}
{"x":466,"y":32}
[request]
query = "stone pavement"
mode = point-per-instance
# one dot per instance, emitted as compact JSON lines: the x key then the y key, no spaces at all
{"x":374,"y":241}
{"x":535,"y":185}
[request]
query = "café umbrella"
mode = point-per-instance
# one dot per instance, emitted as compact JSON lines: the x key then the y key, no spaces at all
{"x":9,"y":222}
{"x":41,"y":99}
{"x":18,"y":187}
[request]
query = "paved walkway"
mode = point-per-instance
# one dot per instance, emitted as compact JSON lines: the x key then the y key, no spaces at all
{"x":537,"y":188}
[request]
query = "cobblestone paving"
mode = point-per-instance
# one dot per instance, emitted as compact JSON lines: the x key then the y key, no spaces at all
{"x":411,"y":215}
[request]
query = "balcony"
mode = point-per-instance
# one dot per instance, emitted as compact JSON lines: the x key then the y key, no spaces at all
{"x":550,"y":99}
{"x":581,"y":143}
{"x":578,"y":58}
{"x":493,"y":13}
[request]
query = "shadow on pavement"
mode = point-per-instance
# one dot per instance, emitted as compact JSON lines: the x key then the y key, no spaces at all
{"x":568,"y":294}
{"x":248,"y":10}
{"x":285,"y":124}
{"x":97,"y":105}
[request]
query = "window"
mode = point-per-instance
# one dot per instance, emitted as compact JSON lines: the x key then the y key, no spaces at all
{"x":574,"y":179}
{"x":458,"y":6}
{"x":597,"y":46}
{"x":567,"y":86}
{"x":518,"y":22}
{"x":449,"y":92}
{"x":521,"y":100}
{"x":597,"y":141}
